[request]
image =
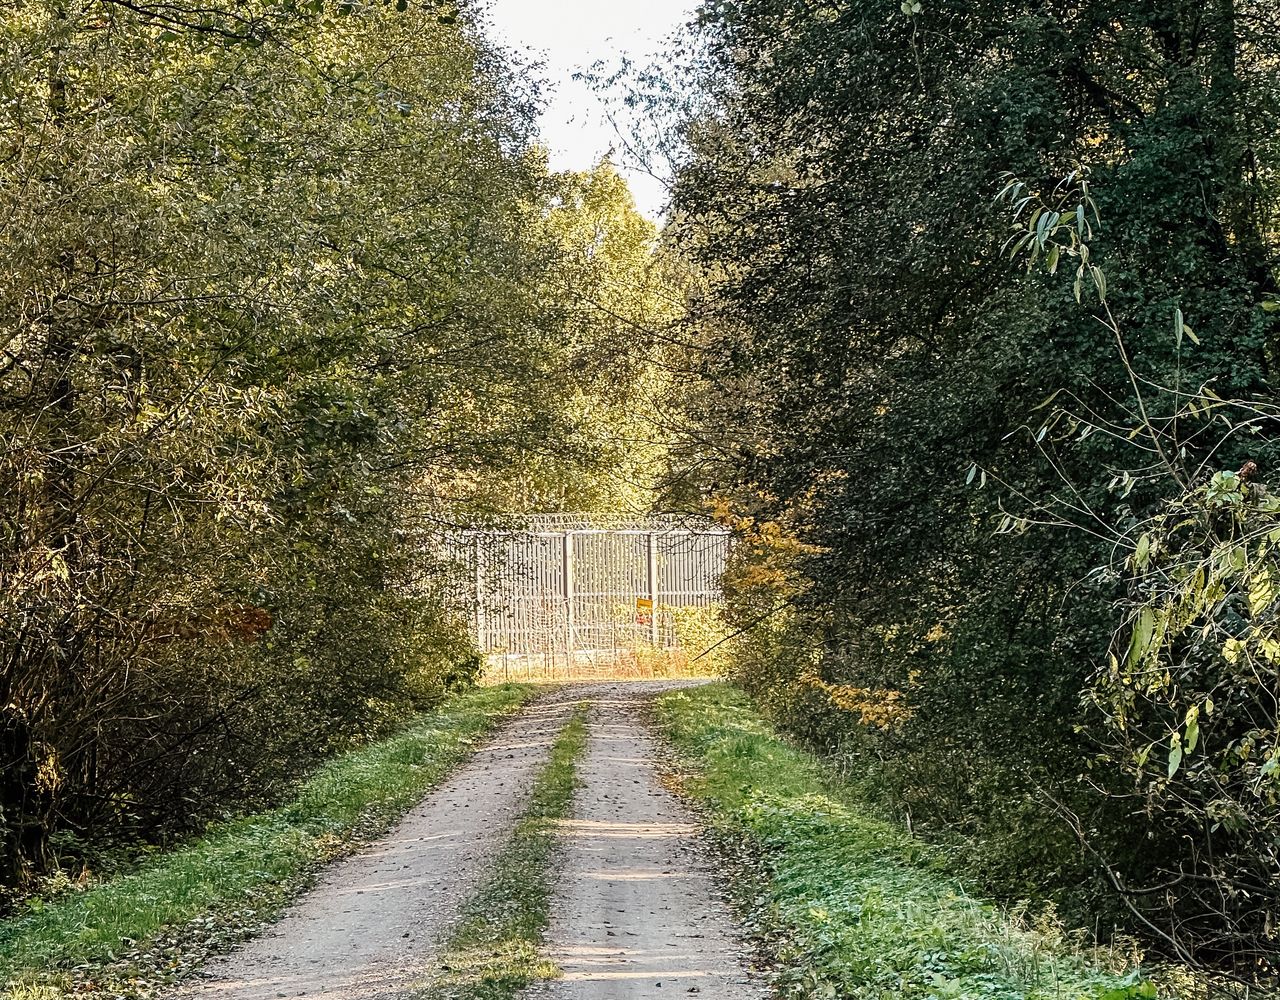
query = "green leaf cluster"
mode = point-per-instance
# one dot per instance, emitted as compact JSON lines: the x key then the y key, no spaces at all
{"x":875,"y":375}
{"x":286,"y":289}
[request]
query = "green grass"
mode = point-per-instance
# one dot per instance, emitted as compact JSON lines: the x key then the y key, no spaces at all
{"x":494,"y":950}
{"x":240,"y":873}
{"x":852,"y":906}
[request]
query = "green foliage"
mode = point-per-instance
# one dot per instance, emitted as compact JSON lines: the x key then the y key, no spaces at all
{"x":865,"y":347}
{"x":1187,"y":705}
{"x":494,"y":951}
{"x":287,"y":290}
{"x":701,"y":633}
{"x":608,"y":292}
{"x":858,"y":907}
{"x":253,"y":864}
{"x":1197,"y":627}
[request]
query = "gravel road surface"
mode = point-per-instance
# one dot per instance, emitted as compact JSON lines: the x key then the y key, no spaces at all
{"x":636,"y":912}
{"x":368,"y":928}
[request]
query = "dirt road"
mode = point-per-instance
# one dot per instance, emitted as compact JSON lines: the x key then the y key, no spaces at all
{"x":636,"y":913}
{"x":368,"y":928}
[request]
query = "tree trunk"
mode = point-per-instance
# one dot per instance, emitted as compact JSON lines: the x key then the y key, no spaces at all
{"x":27,"y":786}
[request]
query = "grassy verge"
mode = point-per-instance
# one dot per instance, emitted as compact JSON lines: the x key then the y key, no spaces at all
{"x":493,"y":952}
{"x":159,"y":920}
{"x":852,"y":906}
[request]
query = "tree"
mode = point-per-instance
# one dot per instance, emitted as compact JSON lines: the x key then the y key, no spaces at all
{"x":867,"y":348}
{"x":607,"y":295}
{"x":275,"y":304}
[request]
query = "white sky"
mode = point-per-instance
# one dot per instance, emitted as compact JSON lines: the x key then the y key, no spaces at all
{"x":570,"y":35}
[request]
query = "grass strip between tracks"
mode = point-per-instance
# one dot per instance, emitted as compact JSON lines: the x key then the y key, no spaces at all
{"x":494,"y":951}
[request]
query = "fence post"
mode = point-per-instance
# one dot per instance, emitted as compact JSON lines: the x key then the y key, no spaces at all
{"x":567,"y":562}
{"x":653,"y":589}
{"x":482,"y":640}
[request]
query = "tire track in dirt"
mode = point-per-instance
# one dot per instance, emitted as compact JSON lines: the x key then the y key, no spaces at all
{"x":636,"y":912}
{"x":369,"y":927}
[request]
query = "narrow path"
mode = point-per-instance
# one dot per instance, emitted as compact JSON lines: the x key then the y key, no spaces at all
{"x":636,"y":912}
{"x":368,"y":928}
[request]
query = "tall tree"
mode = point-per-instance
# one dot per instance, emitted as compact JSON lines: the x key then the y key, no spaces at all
{"x":273,"y":273}
{"x":867,"y":344}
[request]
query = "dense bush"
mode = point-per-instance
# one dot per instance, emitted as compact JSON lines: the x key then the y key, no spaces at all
{"x":1186,"y":709}
{"x":286,"y":287}
{"x":876,"y":405}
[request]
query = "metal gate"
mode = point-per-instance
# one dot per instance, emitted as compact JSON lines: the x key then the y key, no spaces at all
{"x":566,"y":588}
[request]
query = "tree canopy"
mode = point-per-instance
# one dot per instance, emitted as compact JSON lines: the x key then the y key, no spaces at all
{"x":286,"y":287}
{"x":936,"y":455}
